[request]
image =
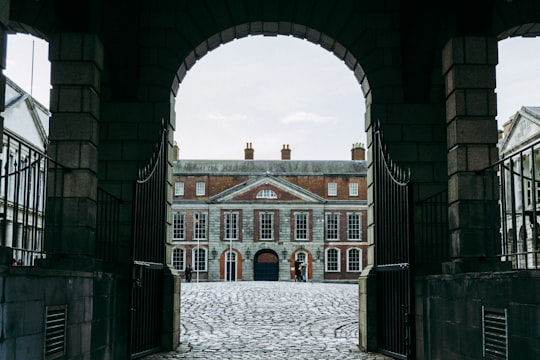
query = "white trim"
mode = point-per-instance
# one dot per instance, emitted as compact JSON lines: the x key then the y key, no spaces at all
{"x":361,"y":265}
{"x":338,"y":260}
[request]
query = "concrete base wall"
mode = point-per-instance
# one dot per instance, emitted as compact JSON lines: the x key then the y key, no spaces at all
{"x":91,"y":303}
{"x":452,"y":315}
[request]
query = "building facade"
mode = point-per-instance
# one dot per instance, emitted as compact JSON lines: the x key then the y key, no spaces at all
{"x":266,"y":219}
{"x":519,"y":150}
{"x":23,"y":171}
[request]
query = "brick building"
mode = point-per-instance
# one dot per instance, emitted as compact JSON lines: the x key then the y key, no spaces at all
{"x":262,"y":219}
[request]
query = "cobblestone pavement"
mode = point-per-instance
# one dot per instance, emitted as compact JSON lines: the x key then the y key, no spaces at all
{"x":268,"y":320}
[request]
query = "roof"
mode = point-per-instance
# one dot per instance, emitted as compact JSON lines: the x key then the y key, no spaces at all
{"x":270,"y":167}
{"x":25,"y":117}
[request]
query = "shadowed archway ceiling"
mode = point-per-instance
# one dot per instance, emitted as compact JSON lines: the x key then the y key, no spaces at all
{"x":151,"y":42}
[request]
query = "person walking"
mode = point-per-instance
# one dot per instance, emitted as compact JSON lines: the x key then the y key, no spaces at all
{"x":188,"y":273}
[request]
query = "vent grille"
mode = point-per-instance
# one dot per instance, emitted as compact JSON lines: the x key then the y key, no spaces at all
{"x":495,"y":333}
{"x":55,"y":331}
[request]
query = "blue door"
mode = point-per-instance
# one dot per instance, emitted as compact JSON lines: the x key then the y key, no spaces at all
{"x":266,"y":266}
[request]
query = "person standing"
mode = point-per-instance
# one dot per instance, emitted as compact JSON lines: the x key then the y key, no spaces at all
{"x":188,"y":273}
{"x":303,"y":269}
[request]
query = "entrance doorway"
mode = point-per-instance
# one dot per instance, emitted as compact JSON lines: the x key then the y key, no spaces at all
{"x":230,"y":266}
{"x":266,"y":266}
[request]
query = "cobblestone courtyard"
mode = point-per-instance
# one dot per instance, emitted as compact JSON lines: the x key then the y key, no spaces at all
{"x":268,"y":320}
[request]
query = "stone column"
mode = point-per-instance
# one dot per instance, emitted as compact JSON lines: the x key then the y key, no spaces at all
{"x":76,"y":61}
{"x":469,"y":71}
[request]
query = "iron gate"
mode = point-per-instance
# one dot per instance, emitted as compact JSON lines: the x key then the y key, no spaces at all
{"x":148,"y":251}
{"x":392,"y":211}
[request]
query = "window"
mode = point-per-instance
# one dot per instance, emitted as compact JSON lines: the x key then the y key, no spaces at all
{"x":332,"y":260}
{"x":179,"y":226}
{"x":199,"y":256}
{"x":354,"y":260}
{"x":266,"y":194}
{"x":200,"y":188}
{"x":266,"y":226}
{"x":231,"y":225}
{"x":231,"y":256}
{"x":353,"y":189}
{"x":301,"y":221}
{"x":199,"y":228}
{"x":179,"y":188}
{"x":301,"y":256}
{"x":332,"y":221}
{"x":178,"y":259}
{"x":354,"y":227}
{"x":332,"y":189}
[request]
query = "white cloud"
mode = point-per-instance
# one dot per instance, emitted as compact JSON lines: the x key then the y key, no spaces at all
{"x":304,"y":117}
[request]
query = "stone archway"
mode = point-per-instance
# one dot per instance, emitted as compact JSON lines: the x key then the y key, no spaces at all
{"x":266,"y":266}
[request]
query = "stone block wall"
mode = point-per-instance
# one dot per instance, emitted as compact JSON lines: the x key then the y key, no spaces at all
{"x":452,"y":316}
{"x":25,"y":294}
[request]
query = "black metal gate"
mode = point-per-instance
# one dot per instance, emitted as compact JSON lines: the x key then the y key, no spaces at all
{"x":148,"y":254}
{"x":392,"y":210}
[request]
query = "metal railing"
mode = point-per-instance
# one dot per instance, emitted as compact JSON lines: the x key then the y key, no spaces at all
{"x":23,"y":189}
{"x":107,"y":226}
{"x":432,"y":233}
{"x":519,"y":200}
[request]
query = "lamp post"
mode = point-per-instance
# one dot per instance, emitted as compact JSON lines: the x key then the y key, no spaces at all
{"x":229,"y":230}
{"x":197,"y":263}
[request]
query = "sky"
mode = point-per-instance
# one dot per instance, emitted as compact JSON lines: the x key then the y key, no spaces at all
{"x":271,"y":91}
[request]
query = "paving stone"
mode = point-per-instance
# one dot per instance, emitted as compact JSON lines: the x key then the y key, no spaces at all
{"x":268,"y":320}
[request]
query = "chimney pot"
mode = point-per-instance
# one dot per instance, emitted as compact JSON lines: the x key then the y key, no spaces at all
{"x":248,"y":152}
{"x":358,"y":152}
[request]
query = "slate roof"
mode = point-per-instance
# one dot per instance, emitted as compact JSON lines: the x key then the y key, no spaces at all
{"x":270,"y":167}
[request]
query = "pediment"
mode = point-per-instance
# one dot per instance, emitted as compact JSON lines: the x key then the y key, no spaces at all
{"x":24,"y":117}
{"x":284,"y":192}
{"x":525,"y":128}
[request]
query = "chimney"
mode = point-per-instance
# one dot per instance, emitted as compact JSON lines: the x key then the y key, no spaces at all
{"x":285,"y":152}
{"x":176,"y":151}
{"x":358,"y":152}
{"x":248,"y":152}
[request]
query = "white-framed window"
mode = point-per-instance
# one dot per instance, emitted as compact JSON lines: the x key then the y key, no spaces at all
{"x":179,"y":226}
{"x":354,"y":260}
{"x":266,"y":226}
{"x":301,"y":226}
{"x":301,"y":256}
{"x":332,"y":189}
{"x":266,"y":194}
{"x":179,"y":188}
{"x":178,"y":260}
{"x":199,"y":258}
{"x":199,"y":226}
{"x":332,"y":226}
{"x":332,"y":263}
{"x":200,"y":188}
{"x":353,"y":189}
{"x":354,"y":226}
{"x":230,"y":230}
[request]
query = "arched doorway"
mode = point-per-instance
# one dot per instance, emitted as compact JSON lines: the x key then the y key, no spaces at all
{"x":266,"y":266}
{"x":230,"y":266}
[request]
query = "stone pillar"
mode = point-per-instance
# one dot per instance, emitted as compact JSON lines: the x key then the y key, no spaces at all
{"x":367,"y":309}
{"x":469,"y":71}
{"x":170,"y":333}
{"x":3,"y":54}
{"x":76,"y":61}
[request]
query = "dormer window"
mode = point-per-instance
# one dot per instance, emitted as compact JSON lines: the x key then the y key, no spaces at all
{"x":266,"y":194}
